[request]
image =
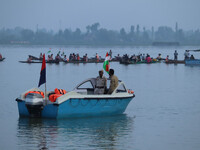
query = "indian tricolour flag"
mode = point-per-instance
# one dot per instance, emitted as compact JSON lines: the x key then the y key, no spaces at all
{"x":106,"y":64}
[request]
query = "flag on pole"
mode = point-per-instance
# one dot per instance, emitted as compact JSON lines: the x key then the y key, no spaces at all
{"x":43,"y":72}
{"x":106,"y":64}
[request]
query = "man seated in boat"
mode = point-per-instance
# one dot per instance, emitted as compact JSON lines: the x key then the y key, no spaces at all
{"x":41,"y":56}
{"x":192,"y":57}
{"x":85,"y":58}
{"x":97,"y":57}
{"x":159,"y":56}
{"x":101,"y":84}
{"x":167,"y":58}
{"x":29,"y":59}
{"x":58,"y":58}
{"x":113,"y":81}
{"x":1,"y":56}
{"x":51,"y":57}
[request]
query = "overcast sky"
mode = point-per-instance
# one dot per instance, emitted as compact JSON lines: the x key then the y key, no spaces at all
{"x":111,"y":14}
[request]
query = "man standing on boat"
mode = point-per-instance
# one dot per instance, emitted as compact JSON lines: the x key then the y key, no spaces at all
{"x":113,"y":81}
{"x":187,"y":54}
{"x":175,"y":55}
{"x":101,"y":84}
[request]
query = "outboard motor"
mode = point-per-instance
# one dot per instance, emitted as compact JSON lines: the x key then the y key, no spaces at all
{"x":34,"y":104}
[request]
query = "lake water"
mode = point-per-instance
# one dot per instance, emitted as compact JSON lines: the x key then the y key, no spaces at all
{"x":165,"y":114}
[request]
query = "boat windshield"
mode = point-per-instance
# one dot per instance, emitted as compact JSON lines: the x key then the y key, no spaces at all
{"x":88,"y":86}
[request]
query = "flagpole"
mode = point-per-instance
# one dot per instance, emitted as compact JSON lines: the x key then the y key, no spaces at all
{"x":45,"y":98}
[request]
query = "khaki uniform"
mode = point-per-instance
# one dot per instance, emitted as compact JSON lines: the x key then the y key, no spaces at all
{"x":113,"y":84}
{"x":101,"y":84}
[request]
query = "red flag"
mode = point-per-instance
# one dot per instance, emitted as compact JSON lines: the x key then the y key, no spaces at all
{"x":43,"y":72}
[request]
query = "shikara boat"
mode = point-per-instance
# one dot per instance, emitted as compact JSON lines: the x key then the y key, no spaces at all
{"x":47,"y":61}
{"x":80,"y":102}
{"x":175,"y":62}
{"x":139,"y":62}
{"x":34,"y":57}
{"x":82,"y":61}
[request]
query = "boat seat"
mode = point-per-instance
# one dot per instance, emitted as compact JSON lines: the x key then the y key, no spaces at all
{"x":90,"y":91}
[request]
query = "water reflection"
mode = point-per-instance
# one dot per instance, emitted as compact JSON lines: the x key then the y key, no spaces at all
{"x":84,"y":133}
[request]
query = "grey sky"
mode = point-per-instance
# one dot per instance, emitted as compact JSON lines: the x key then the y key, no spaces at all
{"x":111,"y":14}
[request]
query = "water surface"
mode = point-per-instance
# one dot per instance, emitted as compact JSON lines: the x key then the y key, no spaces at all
{"x":164,"y":114}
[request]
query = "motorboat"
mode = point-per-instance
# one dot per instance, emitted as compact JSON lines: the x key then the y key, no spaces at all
{"x":80,"y":102}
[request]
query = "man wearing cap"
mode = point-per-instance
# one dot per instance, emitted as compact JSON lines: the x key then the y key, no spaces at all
{"x":101,"y":84}
{"x":113,"y":81}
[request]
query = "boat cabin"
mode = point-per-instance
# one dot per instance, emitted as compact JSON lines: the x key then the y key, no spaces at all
{"x":87,"y":87}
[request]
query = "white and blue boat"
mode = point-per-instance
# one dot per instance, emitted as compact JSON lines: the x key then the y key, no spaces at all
{"x":80,"y":102}
{"x":192,"y":61}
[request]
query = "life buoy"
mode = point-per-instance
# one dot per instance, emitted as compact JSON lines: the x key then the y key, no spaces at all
{"x":130,"y":91}
{"x":37,"y":92}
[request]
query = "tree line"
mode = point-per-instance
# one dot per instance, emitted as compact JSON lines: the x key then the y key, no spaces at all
{"x":95,"y":35}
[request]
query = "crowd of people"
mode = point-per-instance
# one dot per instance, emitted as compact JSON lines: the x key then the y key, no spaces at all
{"x":123,"y":59}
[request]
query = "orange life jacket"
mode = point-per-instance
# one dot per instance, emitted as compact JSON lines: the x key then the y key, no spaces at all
{"x":60,"y":91}
{"x":53,"y":97}
{"x":37,"y":92}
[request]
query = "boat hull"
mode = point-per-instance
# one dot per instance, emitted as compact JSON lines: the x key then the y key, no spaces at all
{"x":80,"y":108}
{"x":192,"y":62}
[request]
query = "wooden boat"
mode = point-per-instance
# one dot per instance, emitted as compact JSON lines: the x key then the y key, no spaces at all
{"x":80,"y":102}
{"x":139,"y":62}
{"x":175,"y":62}
{"x":47,"y":61}
{"x":192,"y":62}
{"x":34,"y":58}
{"x":82,"y":61}
{"x":2,"y":59}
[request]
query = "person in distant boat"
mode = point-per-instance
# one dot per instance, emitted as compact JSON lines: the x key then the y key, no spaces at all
{"x":110,"y":53}
{"x":41,"y":56}
{"x":65,"y":58}
{"x":57,"y":58}
{"x":159,"y":56}
{"x":192,"y":57}
{"x":29,"y":59}
{"x":97,"y":57}
{"x":85,"y":58}
{"x":51,"y":57}
{"x":77,"y":56}
{"x":167,"y":58}
{"x":101,"y":84}
{"x":48,"y":57}
{"x":175,"y":55}
{"x":187,"y":54}
{"x":143,"y":57}
{"x":148,"y":59}
{"x":113,"y":81}
{"x":1,"y":56}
